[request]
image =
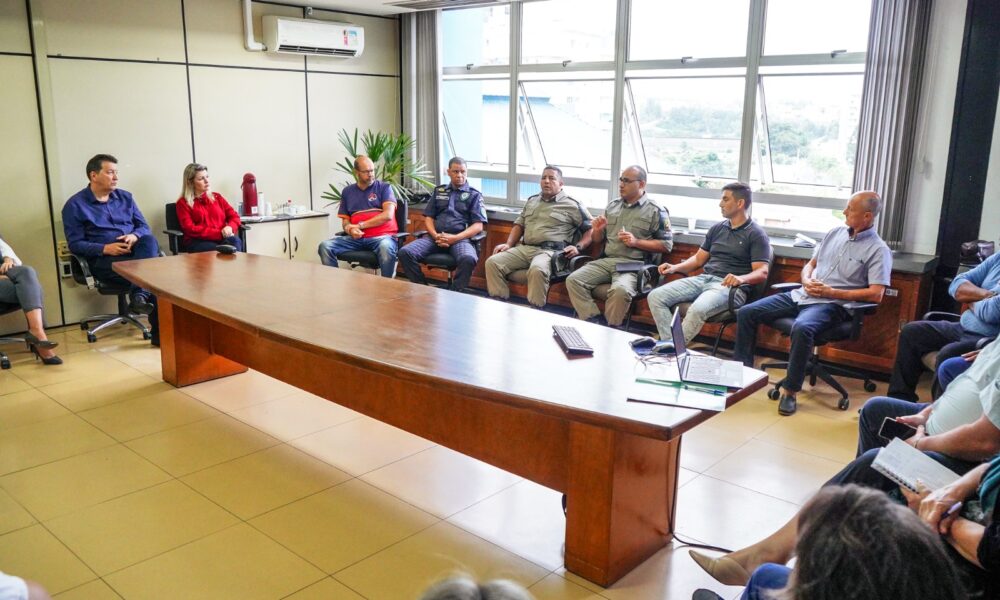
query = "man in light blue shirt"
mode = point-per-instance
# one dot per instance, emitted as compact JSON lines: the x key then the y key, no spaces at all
{"x":979,"y":288}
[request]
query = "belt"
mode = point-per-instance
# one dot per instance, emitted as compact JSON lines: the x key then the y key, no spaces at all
{"x":552,"y":245}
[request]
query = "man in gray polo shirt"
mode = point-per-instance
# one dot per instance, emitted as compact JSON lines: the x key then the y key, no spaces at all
{"x":634,"y":226}
{"x":549,"y":223}
{"x":735,"y":252}
{"x":851,"y":264}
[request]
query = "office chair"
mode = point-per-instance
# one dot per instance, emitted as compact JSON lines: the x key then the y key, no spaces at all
{"x":444,"y":261}
{"x":817,"y":368}
{"x":369,"y":260}
{"x":727,"y":317}
{"x":648,"y":279}
{"x":929,"y":360}
{"x":5,"y":309}
{"x":175,"y":236}
{"x":83,"y":276}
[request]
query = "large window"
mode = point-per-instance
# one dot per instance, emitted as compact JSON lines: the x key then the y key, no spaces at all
{"x":699,"y":93}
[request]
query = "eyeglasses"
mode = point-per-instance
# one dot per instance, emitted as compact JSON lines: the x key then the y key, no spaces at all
{"x":368,"y":172}
{"x":627,"y":181}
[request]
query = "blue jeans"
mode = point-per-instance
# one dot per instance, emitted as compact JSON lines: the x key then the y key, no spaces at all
{"x":384,"y":247}
{"x":874,"y":412}
{"x":706,"y":293}
{"x":810,"y":320}
{"x":950,"y":369}
{"x":765,"y":580}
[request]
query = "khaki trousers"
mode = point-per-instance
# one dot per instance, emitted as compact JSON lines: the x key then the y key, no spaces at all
{"x":536,"y":261}
{"x":581,"y":284}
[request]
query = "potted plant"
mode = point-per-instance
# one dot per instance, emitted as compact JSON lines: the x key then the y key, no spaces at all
{"x":390,"y":153}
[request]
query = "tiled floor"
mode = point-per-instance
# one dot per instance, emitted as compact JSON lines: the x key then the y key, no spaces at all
{"x":115,"y":485}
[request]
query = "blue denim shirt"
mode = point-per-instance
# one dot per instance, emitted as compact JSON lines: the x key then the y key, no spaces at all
{"x":984,"y":317}
{"x":90,"y":224}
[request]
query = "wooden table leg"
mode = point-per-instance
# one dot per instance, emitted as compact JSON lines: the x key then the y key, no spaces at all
{"x":186,"y":348}
{"x":621,"y":496}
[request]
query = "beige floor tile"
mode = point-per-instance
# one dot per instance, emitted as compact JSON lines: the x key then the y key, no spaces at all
{"x":440,"y":480}
{"x":294,"y":416}
{"x":50,"y":440}
{"x":526,"y":519}
{"x":92,"y":366}
{"x":746,"y":418}
{"x":73,"y":339}
{"x":239,"y":391}
{"x":33,"y":553}
{"x":139,"y":526}
{"x":144,"y":415}
{"x":95,"y":590}
{"x":726,"y":515}
{"x":94,"y":392}
{"x":704,"y":446}
{"x":554,"y":587}
{"x":202,"y":444}
{"x":238,"y":562}
{"x":265,"y":480}
{"x":28,"y":406}
{"x":361,"y":445}
{"x":342,"y":525}
{"x":785,"y":474}
{"x":68,"y":485}
{"x":11,"y":383}
{"x":12,"y":514}
{"x":328,"y":589}
{"x":137,"y":355}
{"x":819,"y":435}
{"x":433,"y":554}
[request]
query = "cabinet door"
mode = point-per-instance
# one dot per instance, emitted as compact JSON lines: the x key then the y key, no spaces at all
{"x":268,"y":238}
{"x":306,"y":235}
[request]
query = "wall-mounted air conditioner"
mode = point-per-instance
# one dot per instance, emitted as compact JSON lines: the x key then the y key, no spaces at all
{"x":307,"y":36}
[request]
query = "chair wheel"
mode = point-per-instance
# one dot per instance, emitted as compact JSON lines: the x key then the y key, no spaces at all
{"x":774,"y":394}
{"x":869,"y":386}
{"x":4,"y":363}
{"x":91,"y":338}
{"x":844,"y":403}
{"x":146,"y":335}
{"x":83,"y":327}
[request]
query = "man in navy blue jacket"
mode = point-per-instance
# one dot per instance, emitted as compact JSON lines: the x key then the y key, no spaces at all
{"x":103,"y":224}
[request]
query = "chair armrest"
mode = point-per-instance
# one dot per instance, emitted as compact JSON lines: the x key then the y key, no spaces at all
{"x":578,"y":261}
{"x":786,"y":287}
{"x":649,"y":278}
{"x":174,"y":232}
{"x":746,"y":287}
{"x":420,"y":234}
{"x":245,"y":227}
{"x":340,"y":234}
{"x":81,"y":271}
{"x":982,"y":343}
{"x":400,"y":236}
{"x":858,"y":311}
{"x":173,"y":240}
{"x":938,"y":315}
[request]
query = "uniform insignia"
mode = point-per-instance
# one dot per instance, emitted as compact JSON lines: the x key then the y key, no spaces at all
{"x":465,"y":195}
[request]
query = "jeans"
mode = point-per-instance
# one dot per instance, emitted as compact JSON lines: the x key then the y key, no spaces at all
{"x":384,"y":247}
{"x":100,"y":267}
{"x":21,"y":288}
{"x":874,"y":412}
{"x":810,"y":320}
{"x":706,"y":293}
{"x":950,"y":369}
{"x":210,"y":246}
{"x":765,"y":580}
{"x":916,"y":339}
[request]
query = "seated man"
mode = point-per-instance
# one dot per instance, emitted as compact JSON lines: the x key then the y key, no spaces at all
{"x":851,"y":264}
{"x":735,"y":251}
{"x":454,"y":214}
{"x":639,"y":226}
{"x":103,"y":224}
{"x":368,"y":215}
{"x":549,"y":223}
{"x":979,"y":287}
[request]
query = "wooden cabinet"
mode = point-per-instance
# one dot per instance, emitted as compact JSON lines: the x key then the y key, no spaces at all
{"x":294,"y":238}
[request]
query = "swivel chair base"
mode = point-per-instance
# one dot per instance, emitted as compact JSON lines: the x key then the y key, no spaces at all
{"x":4,"y":360}
{"x":816,"y":369}
{"x":107,"y":320}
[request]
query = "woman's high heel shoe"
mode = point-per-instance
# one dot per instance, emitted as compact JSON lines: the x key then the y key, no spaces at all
{"x":723,"y":569}
{"x":49,"y":360}
{"x":30,"y":340}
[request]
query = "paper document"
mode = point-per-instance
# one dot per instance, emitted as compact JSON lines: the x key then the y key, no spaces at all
{"x":904,"y":464}
{"x":676,"y":393}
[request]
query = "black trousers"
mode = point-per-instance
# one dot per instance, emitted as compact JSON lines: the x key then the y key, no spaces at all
{"x":100,"y":267}
{"x":916,"y":339}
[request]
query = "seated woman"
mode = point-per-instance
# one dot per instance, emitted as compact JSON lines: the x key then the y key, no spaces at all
{"x":855,"y":542}
{"x":19,"y":287}
{"x":206,"y":218}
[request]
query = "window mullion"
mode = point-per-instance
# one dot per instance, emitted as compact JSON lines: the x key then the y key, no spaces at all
{"x":621,"y":47}
{"x":755,"y":47}
{"x":515,"y":61}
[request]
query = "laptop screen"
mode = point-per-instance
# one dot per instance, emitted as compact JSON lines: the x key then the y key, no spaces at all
{"x":677,"y":333}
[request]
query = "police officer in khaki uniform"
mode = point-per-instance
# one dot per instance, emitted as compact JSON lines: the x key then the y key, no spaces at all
{"x":634,"y":225}
{"x":549,"y":223}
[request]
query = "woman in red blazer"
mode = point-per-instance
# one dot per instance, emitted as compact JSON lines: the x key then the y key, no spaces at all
{"x":206,"y":219}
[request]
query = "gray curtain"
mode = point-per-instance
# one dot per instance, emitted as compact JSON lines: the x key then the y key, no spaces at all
{"x":420,"y":77}
{"x":889,"y":104}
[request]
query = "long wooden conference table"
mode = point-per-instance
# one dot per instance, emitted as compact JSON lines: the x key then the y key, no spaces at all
{"x":482,"y":377}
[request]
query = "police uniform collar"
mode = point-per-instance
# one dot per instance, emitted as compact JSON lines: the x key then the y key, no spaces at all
{"x":462,"y":188}
{"x":643,"y":199}
{"x":559,"y":196}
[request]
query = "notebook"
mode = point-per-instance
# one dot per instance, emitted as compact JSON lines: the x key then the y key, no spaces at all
{"x":904,"y":464}
{"x":698,"y":368}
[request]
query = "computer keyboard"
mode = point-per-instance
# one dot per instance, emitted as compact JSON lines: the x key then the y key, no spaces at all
{"x":571,"y":340}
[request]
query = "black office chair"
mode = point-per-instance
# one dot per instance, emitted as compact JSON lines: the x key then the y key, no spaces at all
{"x":817,"y":368}
{"x":648,"y":279}
{"x":175,"y":236}
{"x":5,"y":309}
{"x":83,"y":276}
{"x":369,"y":260}
{"x":727,"y":317}
{"x":444,"y":261}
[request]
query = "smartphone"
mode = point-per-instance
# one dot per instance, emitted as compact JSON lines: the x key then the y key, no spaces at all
{"x":891,"y":428}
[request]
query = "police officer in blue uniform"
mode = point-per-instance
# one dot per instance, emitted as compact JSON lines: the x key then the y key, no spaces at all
{"x":454,"y":214}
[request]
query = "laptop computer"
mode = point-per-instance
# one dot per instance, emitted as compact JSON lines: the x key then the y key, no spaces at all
{"x":699,"y":368}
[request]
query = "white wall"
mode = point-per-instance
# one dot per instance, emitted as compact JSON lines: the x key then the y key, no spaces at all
{"x":989,"y":228}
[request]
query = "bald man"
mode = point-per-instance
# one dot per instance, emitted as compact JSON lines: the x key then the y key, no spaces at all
{"x":851,"y":264}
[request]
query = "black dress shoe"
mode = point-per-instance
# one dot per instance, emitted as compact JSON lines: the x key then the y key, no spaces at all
{"x":787,"y":405}
{"x":140,"y":305}
{"x":703,"y":594}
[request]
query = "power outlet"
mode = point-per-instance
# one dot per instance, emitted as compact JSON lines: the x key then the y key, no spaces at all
{"x":62,"y":248}
{"x":65,"y":268}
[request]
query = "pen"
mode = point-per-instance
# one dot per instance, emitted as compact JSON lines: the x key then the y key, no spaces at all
{"x":954,"y":508}
{"x":706,"y":390}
